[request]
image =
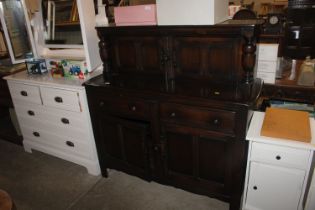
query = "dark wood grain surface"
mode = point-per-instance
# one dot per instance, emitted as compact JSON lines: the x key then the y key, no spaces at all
{"x":174,"y":103}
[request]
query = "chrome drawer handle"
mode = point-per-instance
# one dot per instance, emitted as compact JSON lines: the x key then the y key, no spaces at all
{"x":58,"y":99}
{"x":101,"y":104}
{"x":278,"y":157}
{"x":23,"y":93}
{"x":173,"y":114}
{"x":36,"y":134}
{"x":65,"y":121}
{"x":30,"y":112}
{"x":70,"y":143}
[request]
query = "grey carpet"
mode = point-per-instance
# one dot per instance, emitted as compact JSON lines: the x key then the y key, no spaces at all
{"x":41,"y":182}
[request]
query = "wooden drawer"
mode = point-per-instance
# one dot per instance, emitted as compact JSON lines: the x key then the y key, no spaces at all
{"x":289,"y":93}
{"x":129,"y":107}
{"x":280,"y":155}
{"x":66,"y":119}
{"x":213,"y":119}
{"x":25,"y":93}
{"x":65,"y":144}
{"x":61,"y":99}
{"x":61,"y":130}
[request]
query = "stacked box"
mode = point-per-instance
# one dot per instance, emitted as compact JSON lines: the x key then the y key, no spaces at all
{"x":135,"y":15}
{"x":187,"y":12}
{"x":267,"y":62}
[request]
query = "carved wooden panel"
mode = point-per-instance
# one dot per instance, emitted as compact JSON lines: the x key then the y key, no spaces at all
{"x":125,"y":145}
{"x":207,"y":58}
{"x":202,"y":161}
{"x":137,"y":55}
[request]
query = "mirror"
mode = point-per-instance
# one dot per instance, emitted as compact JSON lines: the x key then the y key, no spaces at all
{"x":61,"y":24}
{"x":14,"y":31}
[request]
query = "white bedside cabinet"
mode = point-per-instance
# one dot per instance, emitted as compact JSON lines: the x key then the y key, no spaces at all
{"x":310,"y":202}
{"x":277,"y":170}
{"x":54,"y":117}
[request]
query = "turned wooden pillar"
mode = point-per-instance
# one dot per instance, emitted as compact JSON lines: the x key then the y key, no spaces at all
{"x":103,"y":49}
{"x":249,"y":56}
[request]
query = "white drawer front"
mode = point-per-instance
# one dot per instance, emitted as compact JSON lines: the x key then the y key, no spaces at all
{"x":51,"y":140}
{"x":73,"y":133}
{"x":24,"y":92}
{"x":66,"y":119}
{"x":280,"y":155}
{"x":63,"y":99}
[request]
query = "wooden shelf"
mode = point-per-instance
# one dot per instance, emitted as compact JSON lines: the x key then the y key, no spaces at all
{"x":73,"y":23}
{"x":68,"y":26}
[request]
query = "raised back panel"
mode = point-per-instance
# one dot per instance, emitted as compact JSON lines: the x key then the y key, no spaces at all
{"x":208,"y":58}
{"x":136,"y":54}
{"x":217,"y":53}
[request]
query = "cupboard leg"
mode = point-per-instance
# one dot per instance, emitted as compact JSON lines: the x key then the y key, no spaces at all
{"x":104,"y":172}
{"x":235,"y":203}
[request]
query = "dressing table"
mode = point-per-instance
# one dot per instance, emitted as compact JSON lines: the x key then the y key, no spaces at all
{"x":286,"y":89}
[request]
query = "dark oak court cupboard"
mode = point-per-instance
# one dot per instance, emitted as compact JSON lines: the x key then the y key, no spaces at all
{"x":174,"y":103}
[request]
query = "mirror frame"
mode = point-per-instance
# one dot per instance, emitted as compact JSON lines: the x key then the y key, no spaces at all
{"x":62,"y":46}
{"x":7,"y":37}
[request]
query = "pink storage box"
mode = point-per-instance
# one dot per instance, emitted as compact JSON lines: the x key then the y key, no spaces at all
{"x":135,"y":15}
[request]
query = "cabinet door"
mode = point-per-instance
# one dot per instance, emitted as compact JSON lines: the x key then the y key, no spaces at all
{"x":122,"y":144}
{"x":137,"y":55}
{"x":212,"y":58}
{"x":273,"y":187}
{"x":201,"y":164}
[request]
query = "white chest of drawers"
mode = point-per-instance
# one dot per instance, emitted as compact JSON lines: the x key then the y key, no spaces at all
{"x":54,"y":117}
{"x":277,"y":170}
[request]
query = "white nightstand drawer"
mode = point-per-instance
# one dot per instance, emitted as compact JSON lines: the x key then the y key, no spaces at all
{"x":66,"y":119}
{"x":59,"y":98}
{"x":22,"y":92}
{"x":280,"y":155}
{"x":55,"y":141}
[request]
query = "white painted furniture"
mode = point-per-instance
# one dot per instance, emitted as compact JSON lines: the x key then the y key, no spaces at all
{"x":54,"y":117}
{"x":277,"y":170}
{"x":88,"y":51}
{"x":310,"y":202}
{"x":186,"y":12}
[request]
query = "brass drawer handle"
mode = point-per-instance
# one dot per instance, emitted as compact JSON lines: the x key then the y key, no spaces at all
{"x":279,"y":93}
{"x":65,"y":121}
{"x":216,"y":121}
{"x":30,"y":112}
{"x":133,"y":108}
{"x":297,"y":94}
{"x":58,"y":99}
{"x":36,"y":134}
{"x":23,"y":93}
{"x":70,"y":143}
